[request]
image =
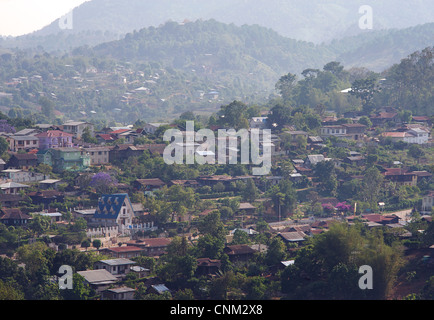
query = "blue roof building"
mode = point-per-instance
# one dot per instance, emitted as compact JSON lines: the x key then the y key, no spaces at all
{"x":114,"y":209}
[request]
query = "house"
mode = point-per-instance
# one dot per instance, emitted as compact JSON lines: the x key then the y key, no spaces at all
{"x":76,"y":128}
{"x":18,"y":175}
{"x":104,"y":138}
{"x":118,"y":267}
{"x":423,"y":176}
{"x":206,"y":266}
{"x":150,"y":128}
{"x":47,"y":184}
{"x":422,"y":119}
{"x":140,"y":271}
{"x":427,"y":203}
{"x":158,"y":289}
{"x":54,"y":139}
{"x":98,"y":155}
{"x":355,"y":160}
{"x":10,"y":200}
{"x":147,"y":186}
{"x":417,"y":135}
{"x":248,"y":231}
{"x":400,"y":176}
{"x":120,"y":133}
{"x":384,"y":117}
{"x":46,"y":197}
{"x":124,"y":252}
{"x":99,"y":280}
{"x":23,"y":161}
{"x":185,"y":183}
{"x":333,"y":130}
{"x":151,"y":246}
{"x":14,"y":217}
{"x":12,"y":187}
{"x":315,"y":140}
{"x":22,"y":142}
{"x":258,"y":123}
{"x":312,"y":160}
{"x":122,"y":152}
{"x":381,"y":219}
{"x":292,"y":236}
{"x":414,"y":135}
{"x":113,"y":210}
{"x":246,"y":208}
{"x":353,"y":131}
{"x":53,"y":216}
{"x":240,"y":252}
{"x":120,"y":293}
{"x":63,"y":159}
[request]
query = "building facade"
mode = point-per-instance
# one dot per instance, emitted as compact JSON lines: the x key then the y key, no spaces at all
{"x":54,"y":139}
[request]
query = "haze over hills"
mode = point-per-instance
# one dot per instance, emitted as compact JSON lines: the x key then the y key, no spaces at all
{"x":241,"y":60}
{"x":315,"y":21}
{"x":181,"y":45}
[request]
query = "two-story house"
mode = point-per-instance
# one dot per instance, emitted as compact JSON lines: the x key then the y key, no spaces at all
{"x":22,"y":142}
{"x":98,"y":155}
{"x":22,"y":161}
{"x":54,"y":139}
{"x":61,"y":159}
{"x":353,"y":131}
{"x":428,"y":203}
{"x":77,"y":128}
{"x":113,"y":210}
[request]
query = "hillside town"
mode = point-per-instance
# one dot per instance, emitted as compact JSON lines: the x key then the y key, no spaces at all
{"x":103,"y":201}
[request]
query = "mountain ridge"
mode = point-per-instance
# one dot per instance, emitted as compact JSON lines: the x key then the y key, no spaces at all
{"x":314,"y":21}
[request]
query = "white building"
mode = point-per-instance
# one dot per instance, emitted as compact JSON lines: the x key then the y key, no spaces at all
{"x":258,"y":122}
{"x":427,"y":203}
{"x":77,"y":128}
{"x":19,"y":176}
{"x":417,"y":135}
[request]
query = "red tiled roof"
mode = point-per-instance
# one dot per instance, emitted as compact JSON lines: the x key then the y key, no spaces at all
{"x":155,"y":242}
{"x":385,"y":115}
{"x":394,"y":134}
{"x":125,"y":249}
{"x":397,"y":171}
{"x":119,"y":131}
{"x":239,"y":249}
{"x":105,"y":136}
{"x":151,"y":182}
{"x":13,"y":214}
{"x":208,"y":262}
{"x":53,"y":134}
{"x":420,"y":118}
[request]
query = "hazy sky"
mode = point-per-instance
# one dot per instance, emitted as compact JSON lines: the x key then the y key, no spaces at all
{"x":18,"y":17}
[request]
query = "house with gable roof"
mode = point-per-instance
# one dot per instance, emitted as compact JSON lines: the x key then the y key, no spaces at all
{"x":113,"y":210}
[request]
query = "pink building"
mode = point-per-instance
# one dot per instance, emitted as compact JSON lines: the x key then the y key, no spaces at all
{"x":54,"y":139}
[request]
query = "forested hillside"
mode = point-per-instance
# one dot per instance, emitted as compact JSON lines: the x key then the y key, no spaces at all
{"x":315,"y":21}
{"x":159,"y":73}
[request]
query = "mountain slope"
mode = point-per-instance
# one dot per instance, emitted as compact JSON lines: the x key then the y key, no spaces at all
{"x":315,"y":20}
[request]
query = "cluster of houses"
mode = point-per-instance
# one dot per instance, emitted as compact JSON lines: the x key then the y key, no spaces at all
{"x":62,"y":148}
{"x":107,"y":275}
